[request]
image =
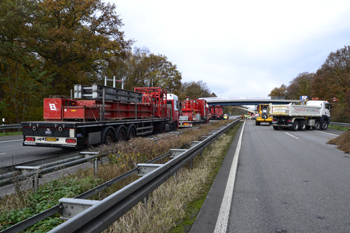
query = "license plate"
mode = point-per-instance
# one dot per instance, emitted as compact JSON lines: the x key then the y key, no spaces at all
{"x":50,"y":139}
{"x":185,"y":123}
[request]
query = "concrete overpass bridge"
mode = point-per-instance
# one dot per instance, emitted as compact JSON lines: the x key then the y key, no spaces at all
{"x":246,"y":101}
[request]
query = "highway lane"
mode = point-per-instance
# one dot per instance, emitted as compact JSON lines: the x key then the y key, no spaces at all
{"x":290,"y":181}
{"x":12,"y":151}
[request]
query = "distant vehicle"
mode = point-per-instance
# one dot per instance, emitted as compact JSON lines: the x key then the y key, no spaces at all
{"x":226,"y":117}
{"x":262,"y":115}
{"x":216,"y":112}
{"x":315,"y":114}
{"x":193,"y":111}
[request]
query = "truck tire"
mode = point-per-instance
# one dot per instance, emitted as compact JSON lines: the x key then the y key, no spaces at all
{"x":317,"y":125}
{"x":108,"y":137}
{"x":162,"y":128}
{"x":131,"y":132}
{"x":159,"y":128}
{"x":120,"y":133}
{"x":276,"y":127}
{"x":302,"y":125}
{"x":295,"y":126}
{"x":257,"y":122}
{"x":324,"y":125}
{"x":175,"y":125}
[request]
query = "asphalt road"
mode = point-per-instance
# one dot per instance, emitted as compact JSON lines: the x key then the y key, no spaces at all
{"x":13,"y":152}
{"x":287,"y":181}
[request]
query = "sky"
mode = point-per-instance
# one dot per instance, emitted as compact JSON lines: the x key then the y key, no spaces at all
{"x":238,"y":48}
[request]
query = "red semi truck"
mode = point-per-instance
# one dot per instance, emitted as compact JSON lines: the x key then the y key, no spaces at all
{"x":193,"y":111}
{"x":216,"y":112}
{"x":101,"y":114}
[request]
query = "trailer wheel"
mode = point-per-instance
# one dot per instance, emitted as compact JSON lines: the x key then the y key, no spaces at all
{"x":317,"y":125}
{"x":175,"y":125}
{"x":121,"y":133}
{"x":109,"y":137}
{"x":324,"y":126}
{"x":302,"y":125}
{"x":276,"y":127}
{"x":162,"y":128}
{"x":131,"y":132}
{"x":295,"y":126}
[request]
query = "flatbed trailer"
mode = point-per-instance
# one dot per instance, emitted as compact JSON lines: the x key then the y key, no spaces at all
{"x":76,"y":124}
{"x":78,"y":135}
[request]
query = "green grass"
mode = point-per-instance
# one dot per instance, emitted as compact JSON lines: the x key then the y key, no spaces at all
{"x":10,"y":133}
{"x":338,"y":127}
{"x":194,"y":207}
{"x":44,"y":198}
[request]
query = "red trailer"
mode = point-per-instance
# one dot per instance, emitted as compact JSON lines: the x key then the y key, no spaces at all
{"x":216,"y":112}
{"x":219,"y":112}
{"x":193,"y":111}
{"x":101,"y":114}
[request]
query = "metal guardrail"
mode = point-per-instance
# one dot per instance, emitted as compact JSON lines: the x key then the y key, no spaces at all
{"x":99,"y":215}
{"x":14,"y":126}
{"x":340,"y":124}
{"x":23,"y":171}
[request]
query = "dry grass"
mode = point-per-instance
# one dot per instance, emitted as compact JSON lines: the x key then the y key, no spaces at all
{"x":125,"y":156}
{"x":166,"y":205}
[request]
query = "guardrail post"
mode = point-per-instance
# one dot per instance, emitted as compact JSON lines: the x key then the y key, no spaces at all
{"x":91,"y":154}
{"x":190,"y":164}
{"x":26,"y":170}
{"x":36,"y":181}
{"x":73,"y":206}
{"x":144,"y":169}
{"x":193,"y":143}
{"x":95,"y":166}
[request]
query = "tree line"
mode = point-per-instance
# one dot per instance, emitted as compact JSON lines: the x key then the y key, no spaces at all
{"x":47,"y":46}
{"x":330,"y":82}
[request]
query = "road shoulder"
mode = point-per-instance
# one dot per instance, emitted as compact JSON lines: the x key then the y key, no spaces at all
{"x":207,"y":217}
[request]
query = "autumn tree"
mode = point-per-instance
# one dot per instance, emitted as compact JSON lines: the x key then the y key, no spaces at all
{"x":194,"y":90}
{"x":300,"y":86}
{"x":78,"y":39}
{"x":333,"y":78}
{"x":21,"y":79}
{"x":279,"y":91}
{"x":332,"y":82}
{"x":145,"y":69}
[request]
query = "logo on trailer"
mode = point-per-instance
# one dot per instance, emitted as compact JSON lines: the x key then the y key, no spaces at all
{"x":52,"y":107}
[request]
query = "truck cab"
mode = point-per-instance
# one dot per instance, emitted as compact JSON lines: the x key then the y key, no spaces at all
{"x":173,"y":104}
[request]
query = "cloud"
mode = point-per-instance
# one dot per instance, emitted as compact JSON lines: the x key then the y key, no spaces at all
{"x":239,"y":48}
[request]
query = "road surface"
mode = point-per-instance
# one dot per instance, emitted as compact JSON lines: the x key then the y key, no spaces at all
{"x":13,"y":152}
{"x":286,"y":181}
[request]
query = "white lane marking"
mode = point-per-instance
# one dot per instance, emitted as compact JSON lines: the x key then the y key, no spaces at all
{"x":12,"y":140}
{"x":222,"y":221}
{"x":292,"y":135}
{"x":327,"y":133}
{"x":3,"y":153}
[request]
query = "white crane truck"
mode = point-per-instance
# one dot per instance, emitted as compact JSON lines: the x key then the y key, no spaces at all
{"x":312,"y":114}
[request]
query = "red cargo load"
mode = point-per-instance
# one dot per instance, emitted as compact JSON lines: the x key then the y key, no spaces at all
{"x":56,"y":109}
